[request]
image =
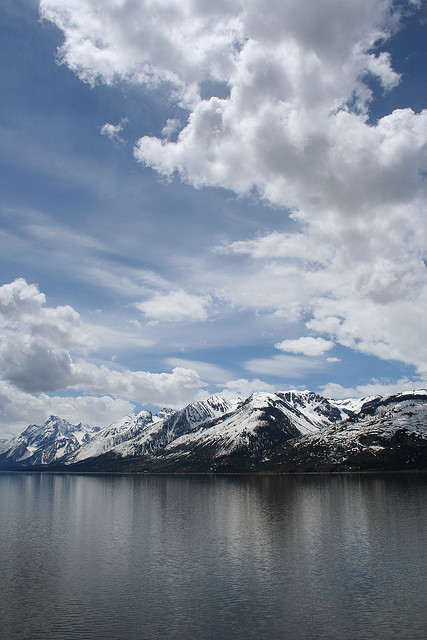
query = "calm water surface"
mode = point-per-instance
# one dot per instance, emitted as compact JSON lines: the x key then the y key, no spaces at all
{"x":205,"y":557}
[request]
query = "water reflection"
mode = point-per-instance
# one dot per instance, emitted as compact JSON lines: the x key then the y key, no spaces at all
{"x":212,"y":557}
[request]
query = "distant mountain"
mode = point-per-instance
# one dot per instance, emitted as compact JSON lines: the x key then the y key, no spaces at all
{"x":144,"y":434}
{"x":214,"y":434}
{"x":268,"y":432}
{"x":116,"y":434}
{"x":239,"y":437}
{"x":44,"y":445}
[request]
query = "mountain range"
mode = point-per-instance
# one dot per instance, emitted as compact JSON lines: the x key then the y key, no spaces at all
{"x":292,"y":431}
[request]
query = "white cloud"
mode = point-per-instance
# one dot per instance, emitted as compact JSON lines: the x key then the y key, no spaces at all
{"x":174,"y":389}
{"x":113,"y":131}
{"x":286,"y":114}
{"x":172,"y":126}
{"x":368,"y":293}
{"x":116,"y":338}
{"x":123,"y":280}
{"x":43,"y":350}
{"x":176,"y":43}
{"x":175,"y":306}
{"x":373,"y":388}
{"x":275,"y":287}
{"x":19,"y":409}
{"x":36,"y":341}
{"x":207,"y":371}
{"x":307,"y":346}
{"x":285,"y":367}
{"x":243,"y":388}
{"x":295,"y":129}
{"x":276,"y":245}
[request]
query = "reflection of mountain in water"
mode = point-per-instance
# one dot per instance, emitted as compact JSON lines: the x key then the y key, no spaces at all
{"x":213,"y":556}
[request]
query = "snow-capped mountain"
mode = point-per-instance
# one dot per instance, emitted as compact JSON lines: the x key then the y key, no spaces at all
{"x":116,"y":434}
{"x":274,"y":432}
{"x":144,"y":433}
{"x":262,"y":421}
{"x":385,"y":432}
{"x":46,"y":444}
{"x":354,"y":405}
{"x":204,"y":434}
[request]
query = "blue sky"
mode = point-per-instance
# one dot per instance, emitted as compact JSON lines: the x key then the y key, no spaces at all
{"x":204,"y":199}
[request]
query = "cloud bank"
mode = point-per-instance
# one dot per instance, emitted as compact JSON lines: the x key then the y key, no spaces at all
{"x":45,"y":350}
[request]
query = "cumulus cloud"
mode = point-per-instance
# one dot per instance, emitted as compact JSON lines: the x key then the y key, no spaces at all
{"x":175,"y":306}
{"x":243,"y":388}
{"x":19,"y":409}
{"x":45,"y":349}
{"x":36,"y":341}
{"x":172,"y":126}
{"x":294,"y":127}
{"x":148,"y":42}
{"x":175,"y":389}
{"x":307,"y":346}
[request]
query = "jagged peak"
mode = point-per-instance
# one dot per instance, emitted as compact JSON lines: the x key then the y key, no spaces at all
{"x":290,"y":395}
{"x":215,"y":398}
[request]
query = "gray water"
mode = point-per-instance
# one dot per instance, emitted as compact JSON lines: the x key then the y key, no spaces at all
{"x":205,"y":557}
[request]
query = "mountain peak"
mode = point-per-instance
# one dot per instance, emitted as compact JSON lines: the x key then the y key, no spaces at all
{"x":280,"y":431}
{"x":45,"y":444}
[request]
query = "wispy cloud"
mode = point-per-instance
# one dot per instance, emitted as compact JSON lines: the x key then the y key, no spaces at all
{"x":210,"y":372}
{"x":374,"y":387}
{"x":113,"y":131}
{"x":284,"y":367}
{"x":175,"y":306}
{"x":307,"y":345}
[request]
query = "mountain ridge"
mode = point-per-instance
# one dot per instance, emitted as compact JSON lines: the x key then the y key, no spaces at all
{"x":46,"y":444}
{"x":287,"y":431}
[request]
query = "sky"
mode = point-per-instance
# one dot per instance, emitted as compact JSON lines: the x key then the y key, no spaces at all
{"x":203,"y":198}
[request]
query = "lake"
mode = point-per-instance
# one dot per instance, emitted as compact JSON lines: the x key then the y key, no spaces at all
{"x":141,"y":557}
